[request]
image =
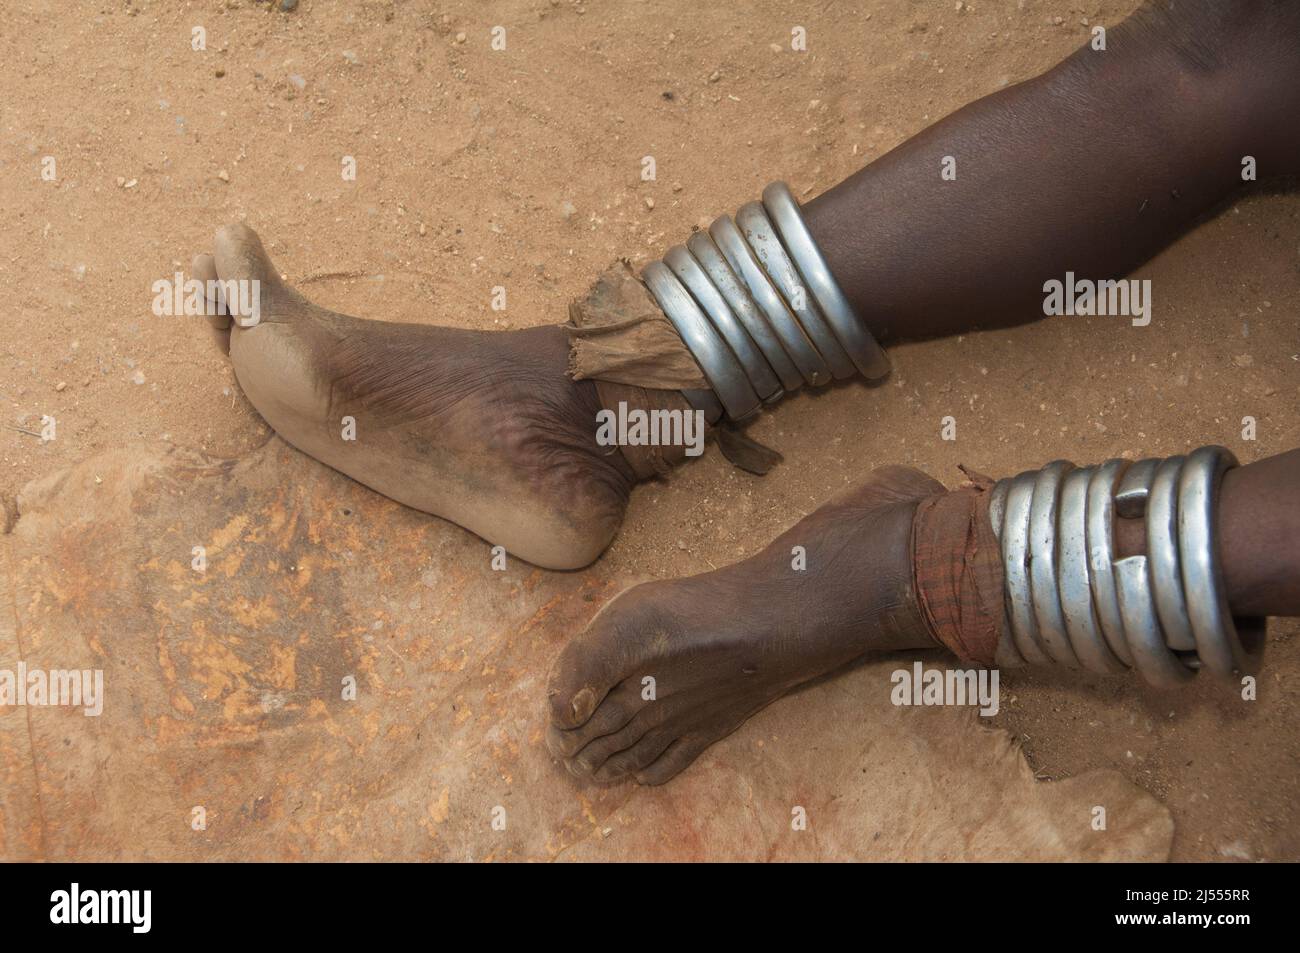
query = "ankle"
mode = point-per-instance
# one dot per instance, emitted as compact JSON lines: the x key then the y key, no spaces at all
{"x":652,"y":430}
{"x":846,"y":570}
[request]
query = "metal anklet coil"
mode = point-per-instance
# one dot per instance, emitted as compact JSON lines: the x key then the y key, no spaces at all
{"x":755,"y":303}
{"x":1071,"y":601}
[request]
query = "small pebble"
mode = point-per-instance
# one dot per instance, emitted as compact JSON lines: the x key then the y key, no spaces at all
{"x":61,"y":386}
{"x":649,"y":202}
{"x":137,"y":377}
{"x":223,"y":175}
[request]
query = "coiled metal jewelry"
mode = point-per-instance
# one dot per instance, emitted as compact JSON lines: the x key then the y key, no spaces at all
{"x":1071,"y":601}
{"x":755,"y":303}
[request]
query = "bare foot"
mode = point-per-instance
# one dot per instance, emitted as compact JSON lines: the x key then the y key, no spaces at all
{"x":722,"y":645}
{"x":481,"y":428}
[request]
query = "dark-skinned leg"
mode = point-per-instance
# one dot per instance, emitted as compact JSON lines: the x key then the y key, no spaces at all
{"x":1259,"y":536}
{"x":724,"y":644}
{"x":1091,"y":167}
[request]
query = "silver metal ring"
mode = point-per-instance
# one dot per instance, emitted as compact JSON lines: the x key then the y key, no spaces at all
{"x":1074,"y":580}
{"x":703,"y":399}
{"x":1164,"y":613}
{"x":689,"y":272}
{"x":1042,"y":563}
{"x":741,"y":258}
{"x":746,"y":311}
{"x":851,"y":331}
{"x":1134,"y":486}
{"x":1006,"y":653}
{"x":719,"y":365}
{"x":1162,"y":555}
{"x":1101,"y":554}
{"x":998,"y":505}
{"x":1218,"y":644}
{"x":1154,"y":660}
{"x":761,"y":236}
{"x":1015,"y":559}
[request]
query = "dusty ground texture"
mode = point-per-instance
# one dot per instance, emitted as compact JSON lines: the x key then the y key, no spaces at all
{"x":224,"y":691}
{"x":522,"y":168}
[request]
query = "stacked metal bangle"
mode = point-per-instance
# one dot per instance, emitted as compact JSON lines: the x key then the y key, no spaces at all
{"x":755,"y":303}
{"x":1071,"y":601}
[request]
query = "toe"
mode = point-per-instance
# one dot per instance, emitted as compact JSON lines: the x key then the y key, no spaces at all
{"x":641,"y":755}
{"x":240,"y":257}
{"x":588,"y":668}
{"x":611,"y":715}
{"x":591,"y":759}
{"x":204,"y":269}
{"x":675,"y":759}
{"x":240,"y":254}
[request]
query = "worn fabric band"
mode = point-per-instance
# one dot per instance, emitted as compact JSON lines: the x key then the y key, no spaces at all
{"x":618,"y":333}
{"x":620,"y":339}
{"x":957,"y":570}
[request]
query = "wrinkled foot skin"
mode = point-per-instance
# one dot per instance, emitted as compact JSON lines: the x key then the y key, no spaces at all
{"x":722,"y":645}
{"x":482,"y":428}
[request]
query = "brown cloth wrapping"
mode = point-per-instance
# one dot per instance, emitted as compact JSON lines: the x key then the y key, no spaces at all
{"x":620,"y":338}
{"x":618,"y":334}
{"x":957,"y":568}
{"x":645,"y":461}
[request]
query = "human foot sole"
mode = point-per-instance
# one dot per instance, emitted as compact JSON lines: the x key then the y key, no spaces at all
{"x":481,"y":428}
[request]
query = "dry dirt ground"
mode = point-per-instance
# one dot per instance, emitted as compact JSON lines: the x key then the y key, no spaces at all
{"x":521,"y":168}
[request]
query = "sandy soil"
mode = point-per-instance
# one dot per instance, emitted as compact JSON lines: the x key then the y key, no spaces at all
{"x":521,"y":168}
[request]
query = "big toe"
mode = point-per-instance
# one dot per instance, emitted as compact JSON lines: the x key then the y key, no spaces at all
{"x":240,"y":254}
{"x":240,"y":258}
{"x":593,"y":664}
